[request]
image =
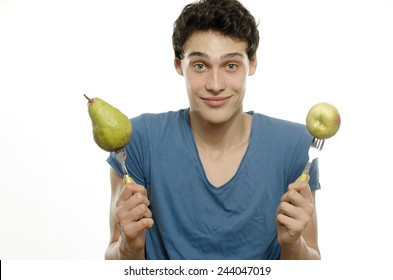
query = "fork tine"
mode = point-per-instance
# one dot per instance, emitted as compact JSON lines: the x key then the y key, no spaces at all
{"x":318,"y":143}
{"x":322,"y":142}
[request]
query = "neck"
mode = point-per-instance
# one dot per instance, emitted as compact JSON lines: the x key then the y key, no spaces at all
{"x":221,"y":136}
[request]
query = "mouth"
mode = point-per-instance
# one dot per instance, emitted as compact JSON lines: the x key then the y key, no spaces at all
{"x":216,"y":101}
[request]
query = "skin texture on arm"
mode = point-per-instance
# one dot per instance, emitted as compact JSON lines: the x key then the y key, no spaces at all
{"x":297,"y":223}
{"x":130,"y":218}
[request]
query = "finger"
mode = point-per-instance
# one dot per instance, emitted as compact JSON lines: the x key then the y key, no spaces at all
{"x":130,"y":189}
{"x":288,"y":209}
{"x":295,"y":205}
{"x":132,"y":230}
{"x":131,"y":217}
{"x":302,"y":188}
{"x":148,"y":214}
{"x":297,"y":199}
{"x":135,"y":200}
{"x":293,"y":197}
{"x":298,"y":185}
{"x":293,"y":226}
{"x":301,"y":215}
{"x":137,"y":213}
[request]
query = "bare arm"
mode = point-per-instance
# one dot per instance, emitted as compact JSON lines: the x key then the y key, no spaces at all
{"x":130,"y":218}
{"x":297,"y":223}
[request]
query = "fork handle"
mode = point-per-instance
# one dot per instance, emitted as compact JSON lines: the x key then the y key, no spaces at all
{"x":127,"y":179}
{"x":306,"y":170}
{"x":303,"y":177}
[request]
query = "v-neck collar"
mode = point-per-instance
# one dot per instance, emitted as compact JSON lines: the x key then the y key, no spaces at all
{"x":191,"y":141}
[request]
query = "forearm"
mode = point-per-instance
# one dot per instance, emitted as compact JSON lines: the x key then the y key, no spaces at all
{"x":116,"y":251}
{"x":299,"y":251}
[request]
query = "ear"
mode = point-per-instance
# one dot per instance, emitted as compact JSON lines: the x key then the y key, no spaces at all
{"x":177,"y":63}
{"x":253,"y":65}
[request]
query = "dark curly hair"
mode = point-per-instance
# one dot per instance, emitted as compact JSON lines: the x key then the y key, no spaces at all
{"x":228,"y":17}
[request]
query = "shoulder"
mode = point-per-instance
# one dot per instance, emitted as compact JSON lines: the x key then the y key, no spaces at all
{"x":158,"y":123}
{"x":279,"y":127}
{"x":160,"y":117}
{"x":280,"y":137}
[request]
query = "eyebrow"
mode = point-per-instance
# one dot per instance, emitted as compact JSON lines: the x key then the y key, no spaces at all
{"x":204,"y":55}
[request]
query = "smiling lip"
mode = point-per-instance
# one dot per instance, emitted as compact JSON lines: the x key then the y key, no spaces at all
{"x":216,"y":101}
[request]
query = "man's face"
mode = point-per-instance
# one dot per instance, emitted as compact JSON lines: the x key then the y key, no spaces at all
{"x":215,"y":68}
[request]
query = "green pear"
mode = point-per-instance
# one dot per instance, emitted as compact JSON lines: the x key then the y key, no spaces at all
{"x":112,"y":129}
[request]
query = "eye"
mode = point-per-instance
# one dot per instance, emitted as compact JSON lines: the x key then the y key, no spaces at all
{"x":199,"y":67}
{"x":231,"y":66}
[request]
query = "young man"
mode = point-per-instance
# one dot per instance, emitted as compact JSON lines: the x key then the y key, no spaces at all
{"x":212,"y":181}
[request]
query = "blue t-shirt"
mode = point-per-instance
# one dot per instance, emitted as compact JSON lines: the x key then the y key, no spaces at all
{"x":194,"y":219}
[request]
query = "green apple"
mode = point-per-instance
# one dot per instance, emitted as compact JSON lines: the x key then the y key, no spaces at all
{"x":323,"y":120}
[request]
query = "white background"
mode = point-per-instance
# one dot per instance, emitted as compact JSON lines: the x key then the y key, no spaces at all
{"x":54,"y":183}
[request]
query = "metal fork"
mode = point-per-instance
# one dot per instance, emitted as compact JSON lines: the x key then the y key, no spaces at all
{"x":121,"y":158}
{"x":315,"y":147}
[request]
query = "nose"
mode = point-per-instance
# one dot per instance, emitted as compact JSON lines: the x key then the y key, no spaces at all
{"x":215,"y":82}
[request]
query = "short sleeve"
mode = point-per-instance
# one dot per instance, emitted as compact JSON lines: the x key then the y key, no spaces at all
{"x":314,"y":176}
